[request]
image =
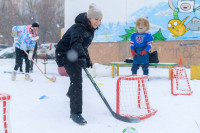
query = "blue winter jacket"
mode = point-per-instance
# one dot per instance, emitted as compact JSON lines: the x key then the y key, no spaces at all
{"x":139,"y":42}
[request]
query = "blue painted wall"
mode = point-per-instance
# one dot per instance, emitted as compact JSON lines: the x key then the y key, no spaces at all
{"x":159,"y":17}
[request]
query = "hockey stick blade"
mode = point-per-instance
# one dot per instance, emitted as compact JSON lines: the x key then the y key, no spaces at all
{"x":125,"y":119}
{"x":53,"y":79}
{"x":115,"y":115}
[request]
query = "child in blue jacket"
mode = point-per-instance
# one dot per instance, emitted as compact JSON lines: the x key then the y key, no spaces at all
{"x":140,"y":44}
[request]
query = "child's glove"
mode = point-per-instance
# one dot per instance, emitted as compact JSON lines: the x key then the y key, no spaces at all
{"x":30,"y":55}
{"x":133,"y":53}
{"x":143,"y":52}
{"x":34,"y":38}
{"x":30,"y":35}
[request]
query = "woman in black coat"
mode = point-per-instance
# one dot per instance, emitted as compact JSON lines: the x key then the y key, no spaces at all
{"x":72,"y":53}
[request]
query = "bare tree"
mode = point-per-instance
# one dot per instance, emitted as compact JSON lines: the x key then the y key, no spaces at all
{"x":49,"y":14}
{"x":51,"y":19}
{"x":9,"y":16}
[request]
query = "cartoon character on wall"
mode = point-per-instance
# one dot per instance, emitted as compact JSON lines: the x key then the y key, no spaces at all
{"x":186,"y":11}
{"x":177,"y":27}
{"x":186,"y":6}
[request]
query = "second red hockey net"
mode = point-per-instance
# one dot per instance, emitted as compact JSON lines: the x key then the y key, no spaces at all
{"x":179,"y":82}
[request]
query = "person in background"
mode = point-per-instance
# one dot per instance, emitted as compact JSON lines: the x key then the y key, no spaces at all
{"x":24,"y":40}
{"x":34,"y":54}
{"x":140,"y":44}
{"x":72,"y":53}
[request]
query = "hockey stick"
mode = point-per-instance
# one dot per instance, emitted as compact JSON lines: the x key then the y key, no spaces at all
{"x":53,"y":79}
{"x":12,"y":72}
{"x":117,"y":116}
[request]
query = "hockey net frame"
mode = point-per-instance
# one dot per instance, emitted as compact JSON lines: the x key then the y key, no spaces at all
{"x":179,"y":82}
{"x":139,"y":101}
{"x":4,"y":113}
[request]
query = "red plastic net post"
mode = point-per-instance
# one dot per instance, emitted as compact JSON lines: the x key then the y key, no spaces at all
{"x":132,"y":97}
{"x":179,"y":82}
{"x":4,"y":113}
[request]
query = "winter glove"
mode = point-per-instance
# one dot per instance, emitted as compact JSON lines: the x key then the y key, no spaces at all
{"x":30,"y":55}
{"x":89,"y":63}
{"x":143,"y":52}
{"x":34,"y":38}
{"x":82,"y":62}
{"x":133,"y":53}
{"x":30,"y":35}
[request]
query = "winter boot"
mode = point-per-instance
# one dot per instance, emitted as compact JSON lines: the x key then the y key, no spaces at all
{"x":13,"y":76}
{"x":21,"y":70}
{"x":77,"y":118}
{"x":28,"y":78}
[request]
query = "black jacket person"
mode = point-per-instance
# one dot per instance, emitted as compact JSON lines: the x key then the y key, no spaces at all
{"x":77,"y":39}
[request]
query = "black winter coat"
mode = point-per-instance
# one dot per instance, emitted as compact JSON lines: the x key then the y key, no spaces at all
{"x":78,"y":37}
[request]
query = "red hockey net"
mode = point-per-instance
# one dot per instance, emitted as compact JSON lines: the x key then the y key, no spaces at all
{"x":4,"y":113}
{"x":132,"y":98}
{"x":179,"y":82}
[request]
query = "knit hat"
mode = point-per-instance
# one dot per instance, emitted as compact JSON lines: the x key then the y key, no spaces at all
{"x":94,"y":12}
{"x":35,"y":24}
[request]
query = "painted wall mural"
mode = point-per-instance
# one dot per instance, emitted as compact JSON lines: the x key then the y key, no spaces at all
{"x":189,"y":10}
{"x":169,"y":20}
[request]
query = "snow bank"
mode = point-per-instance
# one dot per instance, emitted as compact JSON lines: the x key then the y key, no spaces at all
{"x":99,"y":70}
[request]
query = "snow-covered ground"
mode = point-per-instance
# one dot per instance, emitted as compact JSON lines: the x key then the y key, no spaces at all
{"x":42,"y":107}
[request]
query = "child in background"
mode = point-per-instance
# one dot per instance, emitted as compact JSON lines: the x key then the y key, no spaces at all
{"x":140,"y":44}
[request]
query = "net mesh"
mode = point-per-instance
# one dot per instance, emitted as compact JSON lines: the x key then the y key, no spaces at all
{"x":132,"y":97}
{"x":179,"y":82}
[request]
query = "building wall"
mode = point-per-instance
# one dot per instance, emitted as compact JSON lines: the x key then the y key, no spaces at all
{"x":168,"y":19}
{"x":168,"y":52}
{"x":175,"y":31}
